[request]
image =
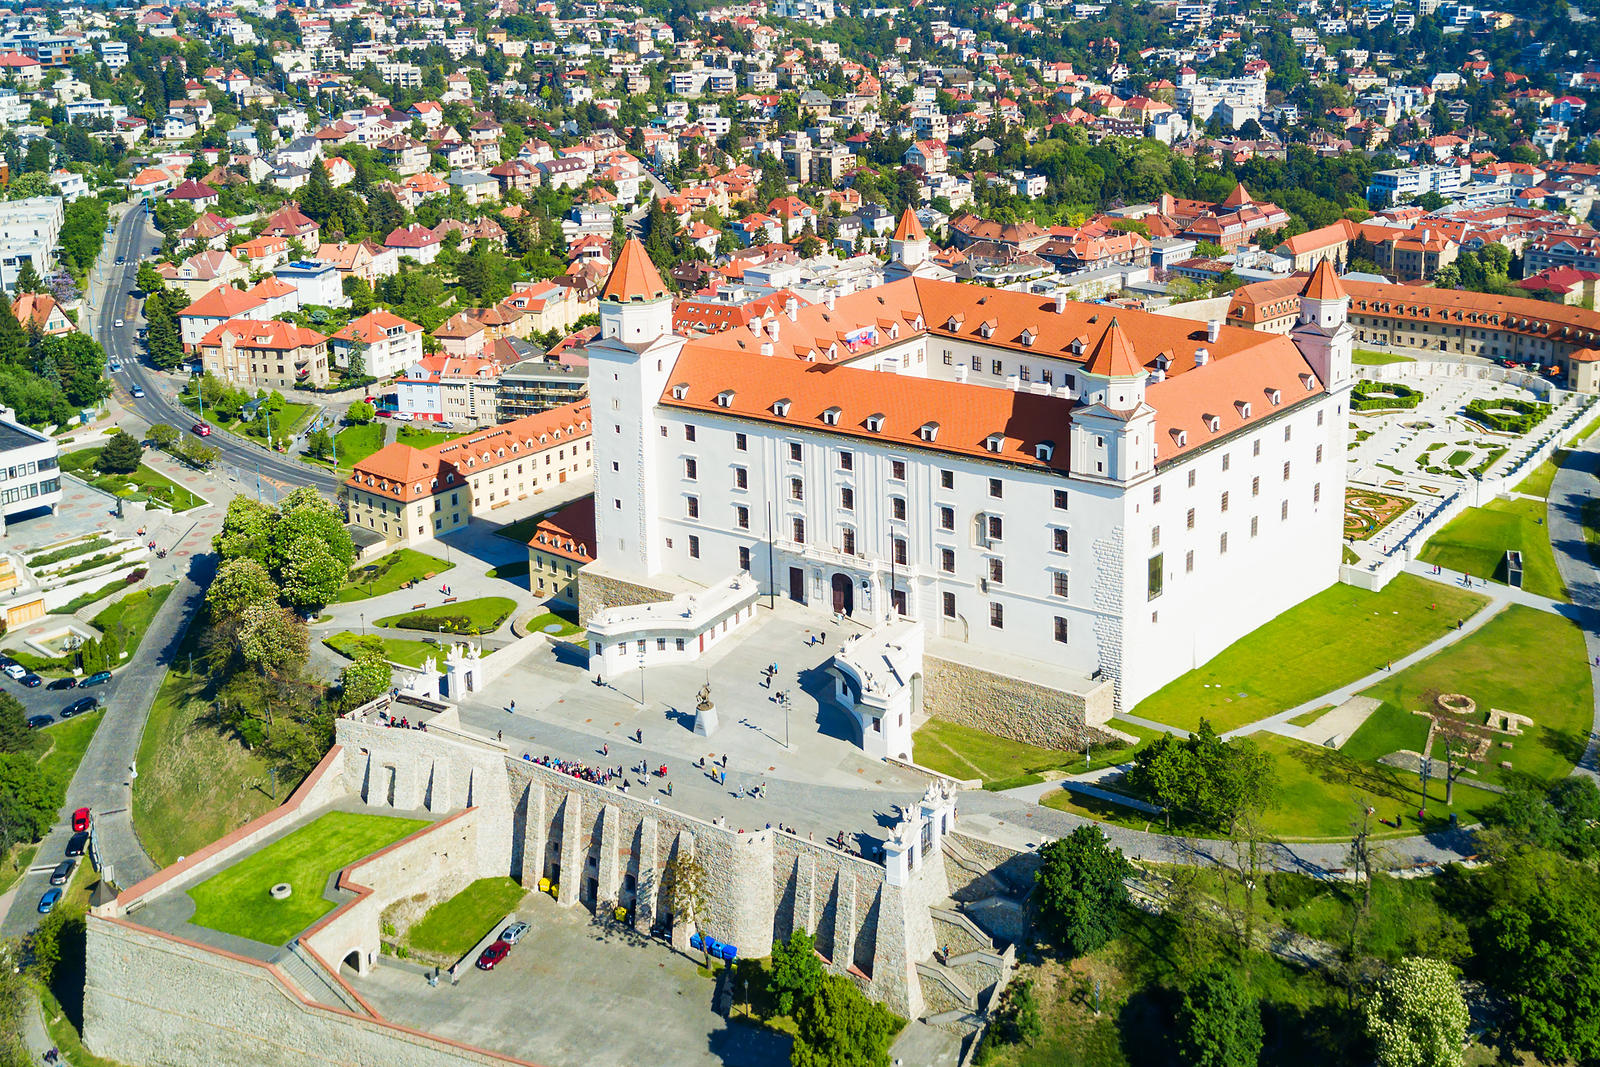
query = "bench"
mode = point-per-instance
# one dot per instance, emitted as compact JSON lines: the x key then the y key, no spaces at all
{"x":449,"y":600}
{"x":418,"y":607}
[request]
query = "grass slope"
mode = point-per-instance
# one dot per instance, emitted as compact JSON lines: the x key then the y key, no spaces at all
{"x":396,"y":649}
{"x":964,"y":752}
{"x":352,"y":445}
{"x":147,"y":484}
{"x":59,"y":749}
{"x":1328,"y":641}
{"x":1525,"y":661}
{"x":236,"y":900}
{"x":1538,"y":482}
{"x":1477,"y":540}
{"x":451,"y":928}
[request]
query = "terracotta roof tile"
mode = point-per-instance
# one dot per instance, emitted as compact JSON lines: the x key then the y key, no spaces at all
{"x":634,"y":277}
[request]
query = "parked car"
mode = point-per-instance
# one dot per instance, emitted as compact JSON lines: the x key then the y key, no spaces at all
{"x":31,"y":680}
{"x":63,"y":872}
{"x":385,"y":414}
{"x":63,"y":683}
{"x":513,"y":933}
{"x":97,"y":678}
{"x":80,"y":707}
{"x":138,"y":392}
{"x":201,"y":428}
{"x":493,"y":955}
{"x":39,"y":722}
{"x":16,"y":671}
{"x":78,"y":845}
{"x":120,"y":259}
{"x":403,"y":416}
{"x":48,"y":901}
{"x":118,"y":324}
{"x":6,"y":661}
{"x":80,"y":820}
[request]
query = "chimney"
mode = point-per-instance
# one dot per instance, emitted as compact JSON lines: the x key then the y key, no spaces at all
{"x":766,"y":348}
{"x":1213,"y":330}
{"x":827,"y":298}
{"x":1061,"y":303}
{"x":1201,"y":357}
{"x":772,"y":329}
{"x":791,"y":308}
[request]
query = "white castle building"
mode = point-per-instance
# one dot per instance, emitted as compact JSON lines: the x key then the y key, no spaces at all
{"x":1048,"y":488}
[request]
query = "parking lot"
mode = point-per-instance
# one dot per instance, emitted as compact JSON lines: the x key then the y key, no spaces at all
{"x":576,"y":993}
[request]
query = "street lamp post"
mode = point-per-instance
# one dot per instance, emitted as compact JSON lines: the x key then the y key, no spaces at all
{"x":641,"y":674}
{"x":363,"y":623}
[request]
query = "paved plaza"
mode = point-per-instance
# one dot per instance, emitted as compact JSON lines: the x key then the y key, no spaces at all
{"x":577,"y":992}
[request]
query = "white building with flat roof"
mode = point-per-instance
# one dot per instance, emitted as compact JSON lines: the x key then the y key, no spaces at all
{"x":29,"y":232}
{"x":30,"y":468}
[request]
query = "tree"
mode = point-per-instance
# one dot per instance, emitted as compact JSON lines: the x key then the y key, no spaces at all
{"x":1416,"y":1016}
{"x":13,"y":338}
{"x":356,"y":365}
{"x":1219,"y":1023}
{"x":311,"y":574}
{"x":149,"y":280}
{"x":27,"y":803}
{"x":28,"y":280}
{"x":367,"y":677}
{"x":1082,"y":889}
{"x":359,"y":413}
{"x":305,"y":516}
{"x":246,"y":529}
{"x":15,"y":736}
{"x":273,"y":640}
{"x":1214,"y":781}
{"x":320,"y":444}
{"x":841,"y":1028}
{"x":163,"y":436}
{"x":686,"y":889}
{"x":796,"y":972}
{"x":35,"y":181}
{"x":239,"y":584}
{"x":121,"y":454}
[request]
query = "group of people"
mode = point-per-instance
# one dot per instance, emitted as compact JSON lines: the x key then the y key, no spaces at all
{"x":582,"y":771}
{"x":400,"y":723}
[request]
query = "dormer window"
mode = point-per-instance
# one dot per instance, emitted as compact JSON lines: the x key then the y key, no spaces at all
{"x":1244,"y":408}
{"x":831,"y":416}
{"x":1182,"y":437}
{"x":1028,"y":336}
{"x":953,"y":323}
{"x":1213,"y":422}
{"x":1163,"y":362}
{"x":1274,"y":397}
{"x":780,"y":408}
{"x":725,"y":398}
{"x":928,"y":431}
{"x":1309,"y":381}
{"x":986,"y":329}
{"x":471,"y":462}
{"x":875,"y":422}
{"x":994,"y":442}
{"x":1044,"y":450}
{"x":679,"y":392}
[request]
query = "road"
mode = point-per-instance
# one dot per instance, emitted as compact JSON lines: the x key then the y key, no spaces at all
{"x":633,"y":222}
{"x":111,"y":299}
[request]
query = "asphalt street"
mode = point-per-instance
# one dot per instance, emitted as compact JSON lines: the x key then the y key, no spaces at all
{"x":135,"y":236}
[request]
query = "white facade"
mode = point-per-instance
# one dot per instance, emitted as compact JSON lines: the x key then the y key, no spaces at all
{"x":29,"y":232}
{"x":1137,"y":569}
{"x":30,"y":471}
{"x":680,"y":630}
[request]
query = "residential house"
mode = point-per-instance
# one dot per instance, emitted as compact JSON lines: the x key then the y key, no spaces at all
{"x":265,"y":354}
{"x":37,"y":310}
{"x":388,"y":344}
{"x":416,"y":241}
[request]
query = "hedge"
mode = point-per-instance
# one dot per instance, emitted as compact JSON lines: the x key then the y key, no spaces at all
{"x":1404,"y":396}
{"x":1530,"y":414}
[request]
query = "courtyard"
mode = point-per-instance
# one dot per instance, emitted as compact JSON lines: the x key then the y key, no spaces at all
{"x":577,"y":991}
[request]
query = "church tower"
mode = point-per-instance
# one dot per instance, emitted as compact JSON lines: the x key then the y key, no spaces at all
{"x":909,"y":252}
{"x":1323,"y":334}
{"x":630,"y":365}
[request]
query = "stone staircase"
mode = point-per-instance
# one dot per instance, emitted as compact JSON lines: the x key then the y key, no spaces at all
{"x":962,"y":978}
{"x":311,"y":979}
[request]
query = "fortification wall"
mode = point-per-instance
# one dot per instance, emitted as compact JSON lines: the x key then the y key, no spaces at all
{"x":1014,"y":707}
{"x":154,"y":999}
{"x":596,"y":592}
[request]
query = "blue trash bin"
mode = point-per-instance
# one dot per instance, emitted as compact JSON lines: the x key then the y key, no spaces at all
{"x":695,"y":942}
{"x":729,"y":952}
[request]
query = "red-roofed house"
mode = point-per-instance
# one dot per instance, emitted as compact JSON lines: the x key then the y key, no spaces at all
{"x":213,"y":309}
{"x":265,"y":354}
{"x":416,"y":241}
{"x":197,"y":195}
{"x":561,"y":545}
{"x":388,"y":343}
{"x":36,"y":309}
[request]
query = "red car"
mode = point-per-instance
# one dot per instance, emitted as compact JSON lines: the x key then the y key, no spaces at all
{"x":202,"y":429}
{"x":493,"y":955}
{"x":80,"y":820}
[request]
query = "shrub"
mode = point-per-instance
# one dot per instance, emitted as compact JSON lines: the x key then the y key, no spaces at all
{"x":442,"y":624}
{"x":1529,"y":414}
{"x":1404,"y":396}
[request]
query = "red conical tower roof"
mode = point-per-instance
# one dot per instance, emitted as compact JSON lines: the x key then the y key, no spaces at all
{"x":910,"y":229}
{"x":1238,"y":198}
{"x":1113,"y":357}
{"x":634,"y":277}
{"x":1324,"y":283}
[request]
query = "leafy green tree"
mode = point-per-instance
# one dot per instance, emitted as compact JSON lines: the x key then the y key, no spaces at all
{"x":239,"y":584}
{"x":246,"y":531}
{"x":163,"y":436}
{"x":796,"y":973}
{"x":1216,"y":782}
{"x":367,"y":677}
{"x":1219,"y":1023}
{"x":307,"y":516}
{"x":1540,"y":939}
{"x":13,"y":338}
{"x":15,"y":736}
{"x":1082,"y":889}
{"x":34,"y":182}
{"x":27,"y":803}
{"x":359,"y":413}
{"x":273,"y":640}
{"x":1416,"y":1016}
{"x":311,"y":574}
{"x":121,"y":454}
{"x":839,"y":1027}
{"x":149,"y":280}
{"x":320,"y":444}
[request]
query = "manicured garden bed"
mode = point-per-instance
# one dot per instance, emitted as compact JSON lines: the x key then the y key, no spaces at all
{"x":481,"y":616}
{"x":388,"y":573}
{"x":395,"y":649}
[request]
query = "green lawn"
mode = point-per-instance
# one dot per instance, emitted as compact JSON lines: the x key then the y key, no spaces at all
{"x":395,"y":649}
{"x":453,"y":927}
{"x":353,"y":444}
{"x":236,"y":900}
{"x":1388,"y":729}
{"x":59,"y":750}
{"x":413,"y":434}
{"x":143,"y":484}
{"x":388,"y":573}
{"x":480,"y":616}
{"x":83,"y":600}
{"x":1538,"y":482}
{"x":1525,"y":661}
{"x":964,"y":752}
{"x":1328,"y":641}
{"x":1477,"y":540}
{"x":134,"y":614}
{"x":1367,"y":357}
{"x":566,"y":620}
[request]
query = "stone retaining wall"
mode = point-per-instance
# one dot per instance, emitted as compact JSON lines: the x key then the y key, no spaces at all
{"x":596,"y":592}
{"x":1015,"y":708}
